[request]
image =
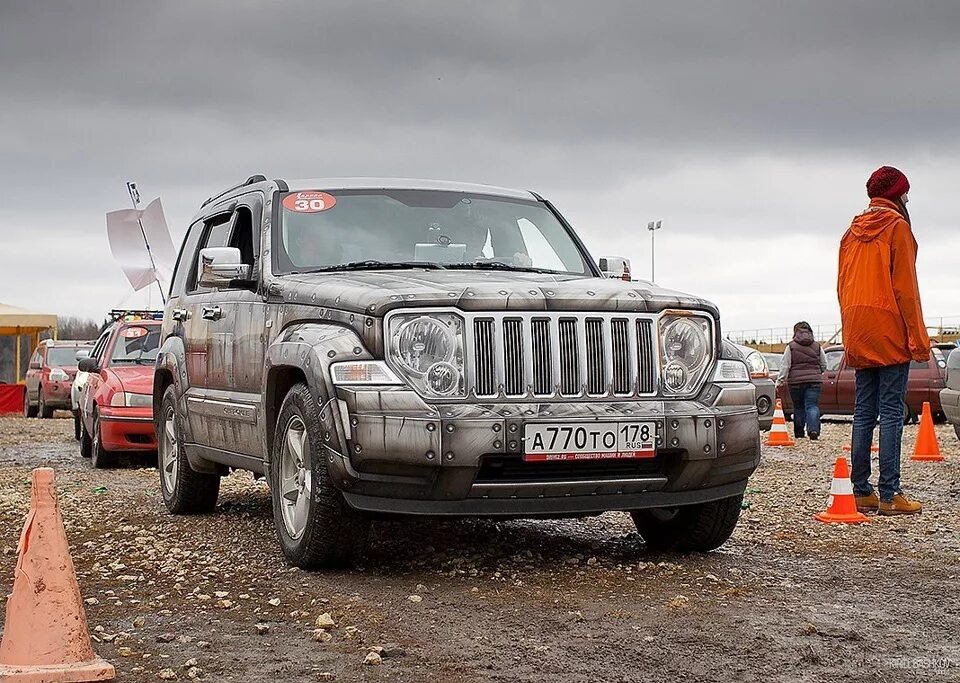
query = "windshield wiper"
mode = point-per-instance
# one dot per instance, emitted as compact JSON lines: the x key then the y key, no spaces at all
{"x":378,"y":265}
{"x":500,"y":265}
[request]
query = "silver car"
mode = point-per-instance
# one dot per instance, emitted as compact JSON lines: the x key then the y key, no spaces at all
{"x":950,"y":395}
{"x":384,"y":346}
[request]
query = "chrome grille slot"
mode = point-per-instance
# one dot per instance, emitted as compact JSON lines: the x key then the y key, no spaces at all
{"x":483,"y":355}
{"x":646,"y":357}
{"x":513,"y":357}
{"x":542,"y":361}
{"x":621,"y":356}
{"x":570,"y":384}
{"x":596,"y":374}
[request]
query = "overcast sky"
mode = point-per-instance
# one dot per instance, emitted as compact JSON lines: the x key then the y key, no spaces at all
{"x":748,"y":128}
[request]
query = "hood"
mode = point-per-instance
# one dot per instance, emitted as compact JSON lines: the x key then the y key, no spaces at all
{"x":880,"y":216}
{"x":134,"y":379}
{"x":377,"y":292}
{"x":804,"y":337}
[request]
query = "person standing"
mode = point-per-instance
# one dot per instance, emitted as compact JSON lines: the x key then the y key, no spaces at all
{"x":883,"y":331}
{"x":801,"y":368}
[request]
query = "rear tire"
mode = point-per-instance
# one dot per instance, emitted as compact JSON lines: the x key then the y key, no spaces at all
{"x":86,"y":443}
{"x":100,"y":458}
{"x":185,"y":491}
{"x":28,"y":409}
{"x":697,"y":528}
{"x":316,"y":527}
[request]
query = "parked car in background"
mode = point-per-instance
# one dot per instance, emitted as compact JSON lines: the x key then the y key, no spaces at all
{"x":49,"y":377}
{"x":924,"y":384}
{"x":766,"y":388}
{"x":79,"y":381}
{"x":116,"y":413}
{"x":950,"y":394}
{"x":415,"y":348}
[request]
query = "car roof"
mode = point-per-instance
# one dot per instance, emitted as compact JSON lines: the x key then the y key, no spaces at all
{"x":359,"y":183}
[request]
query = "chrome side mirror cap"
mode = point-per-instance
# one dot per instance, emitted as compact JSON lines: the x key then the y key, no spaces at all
{"x":220,"y":267}
{"x":615,"y":268}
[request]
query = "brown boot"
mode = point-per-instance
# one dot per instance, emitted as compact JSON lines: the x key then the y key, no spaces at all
{"x":868,"y":503}
{"x":900,"y":505}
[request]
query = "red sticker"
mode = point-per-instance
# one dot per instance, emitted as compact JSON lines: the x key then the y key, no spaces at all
{"x":135,"y":332}
{"x":310,"y":201}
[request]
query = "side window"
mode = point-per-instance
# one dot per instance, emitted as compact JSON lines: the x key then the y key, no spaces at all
{"x":242,"y":235}
{"x":36,"y":358}
{"x":188,"y":256}
{"x":833,"y":360}
{"x":100,"y":345}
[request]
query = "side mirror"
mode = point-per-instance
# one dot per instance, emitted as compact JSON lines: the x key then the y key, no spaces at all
{"x":88,"y":365}
{"x":615,"y":267}
{"x":81,"y":354}
{"x":221,"y":267}
{"x":35,"y":365}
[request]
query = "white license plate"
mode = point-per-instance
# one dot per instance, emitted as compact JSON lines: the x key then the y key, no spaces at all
{"x":589,"y":441}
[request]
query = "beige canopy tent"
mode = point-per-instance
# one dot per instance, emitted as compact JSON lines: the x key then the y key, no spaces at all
{"x":18,"y":322}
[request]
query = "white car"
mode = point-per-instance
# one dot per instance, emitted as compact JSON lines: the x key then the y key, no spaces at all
{"x":75,"y":391}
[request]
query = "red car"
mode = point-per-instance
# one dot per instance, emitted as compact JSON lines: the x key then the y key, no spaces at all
{"x":116,"y":406}
{"x":839,"y":386}
{"x":49,"y":377}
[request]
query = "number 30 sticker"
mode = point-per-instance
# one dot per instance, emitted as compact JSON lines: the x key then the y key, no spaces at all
{"x":311,"y":201}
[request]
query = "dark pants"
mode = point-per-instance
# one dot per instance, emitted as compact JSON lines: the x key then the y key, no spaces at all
{"x":806,"y":407}
{"x":880,"y":394}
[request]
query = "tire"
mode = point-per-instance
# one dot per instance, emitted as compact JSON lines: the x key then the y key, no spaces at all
{"x":28,"y":410}
{"x":86,"y":443}
{"x":697,"y":528}
{"x":185,"y":491}
{"x":100,"y":458}
{"x":45,"y":412}
{"x":956,"y":428}
{"x":76,"y":425}
{"x":331,"y":533}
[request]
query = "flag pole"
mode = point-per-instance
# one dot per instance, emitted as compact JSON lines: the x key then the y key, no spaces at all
{"x":135,"y":199}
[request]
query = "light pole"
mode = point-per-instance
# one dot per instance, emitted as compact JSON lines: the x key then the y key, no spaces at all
{"x":653,"y":226}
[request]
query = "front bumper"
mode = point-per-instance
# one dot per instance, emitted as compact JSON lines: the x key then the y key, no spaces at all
{"x":406,"y":456}
{"x":127,"y":429}
{"x":57,"y":395}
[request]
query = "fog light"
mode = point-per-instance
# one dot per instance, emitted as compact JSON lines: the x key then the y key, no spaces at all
{"x":443,"y":378}
{"x":675,"y":376}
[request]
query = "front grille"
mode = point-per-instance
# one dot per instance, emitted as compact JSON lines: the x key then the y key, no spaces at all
{"x":550,"y":355}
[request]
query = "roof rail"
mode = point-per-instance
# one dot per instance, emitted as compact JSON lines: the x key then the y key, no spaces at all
{"x":258,"y":178}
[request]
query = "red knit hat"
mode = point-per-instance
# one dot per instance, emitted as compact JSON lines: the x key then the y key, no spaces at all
{"x":887,"y":182}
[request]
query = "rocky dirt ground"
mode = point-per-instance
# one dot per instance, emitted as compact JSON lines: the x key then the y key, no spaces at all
{"x":786,"y":599}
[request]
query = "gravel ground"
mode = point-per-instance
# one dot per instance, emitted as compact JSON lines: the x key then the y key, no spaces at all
{"x":786,"y":599}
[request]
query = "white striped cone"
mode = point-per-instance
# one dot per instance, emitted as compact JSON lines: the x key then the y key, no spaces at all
{"x":779,"y":436}
{"x":841,"y":505}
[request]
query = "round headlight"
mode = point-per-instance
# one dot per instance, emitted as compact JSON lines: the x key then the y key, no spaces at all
{"x":675,"y":376}
{"x":758,"y":366}
{"x":442,"y":378}
{"x":685,"y":341}
{"x":422,"y":343}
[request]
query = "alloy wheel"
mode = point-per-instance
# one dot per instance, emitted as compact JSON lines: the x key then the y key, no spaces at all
{"x":296,"y":477}
{"x":169,"y":451}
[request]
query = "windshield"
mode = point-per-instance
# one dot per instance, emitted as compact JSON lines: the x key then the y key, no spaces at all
{"x":136,"y":344}
{"x":321,"y":230}
{"x":773,"y":361}
{"x":62,"y":356}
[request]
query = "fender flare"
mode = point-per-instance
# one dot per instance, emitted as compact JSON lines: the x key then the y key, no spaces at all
{"x":171,"y":367}
{"x":306,"y":351}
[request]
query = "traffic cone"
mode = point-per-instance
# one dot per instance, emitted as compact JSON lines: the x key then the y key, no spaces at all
{"x":45,"y":638}
{"x":841,"y":506}
{"x":778,"y":435}
{"x":927,"y":447}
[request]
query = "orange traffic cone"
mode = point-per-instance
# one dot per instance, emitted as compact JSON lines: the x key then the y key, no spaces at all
{"x":927,"y":447}
{"x":778,"y":430}
{"x":841,"y":506}
{"x":45,"y":638}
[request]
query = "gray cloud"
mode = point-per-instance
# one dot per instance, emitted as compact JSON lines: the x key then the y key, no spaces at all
{"x":741,"y":120}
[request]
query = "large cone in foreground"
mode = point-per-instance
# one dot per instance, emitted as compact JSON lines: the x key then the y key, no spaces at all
{"x":45,"y":638}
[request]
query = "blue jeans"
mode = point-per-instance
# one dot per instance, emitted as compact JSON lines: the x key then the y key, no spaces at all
{"x":806,"y":407}
{"x":880,"y":394}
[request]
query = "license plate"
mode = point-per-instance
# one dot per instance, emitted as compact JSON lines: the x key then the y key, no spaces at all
{"x":590,"y":441}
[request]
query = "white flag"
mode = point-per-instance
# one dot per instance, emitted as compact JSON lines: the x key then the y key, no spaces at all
{"x":141,"y":264}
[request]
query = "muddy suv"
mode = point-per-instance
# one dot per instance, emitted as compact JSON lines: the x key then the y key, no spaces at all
{"x":429,"y":348}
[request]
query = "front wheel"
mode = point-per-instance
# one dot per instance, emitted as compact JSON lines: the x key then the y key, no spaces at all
{"x":29,"y":410}
{"x":76,"y":425}
{"x":185,"y":491}
{"x":698,"y":528}
{"x":316,"y":527}
{"x":100,"y":457}
{"x":42,"y":408}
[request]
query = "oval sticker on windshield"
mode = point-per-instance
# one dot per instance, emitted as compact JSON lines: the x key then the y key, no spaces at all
{"x":310,"y":201}
{"x":134,"y":332}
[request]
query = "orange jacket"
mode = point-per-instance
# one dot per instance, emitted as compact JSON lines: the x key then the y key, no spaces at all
{"x":877,"y":285}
